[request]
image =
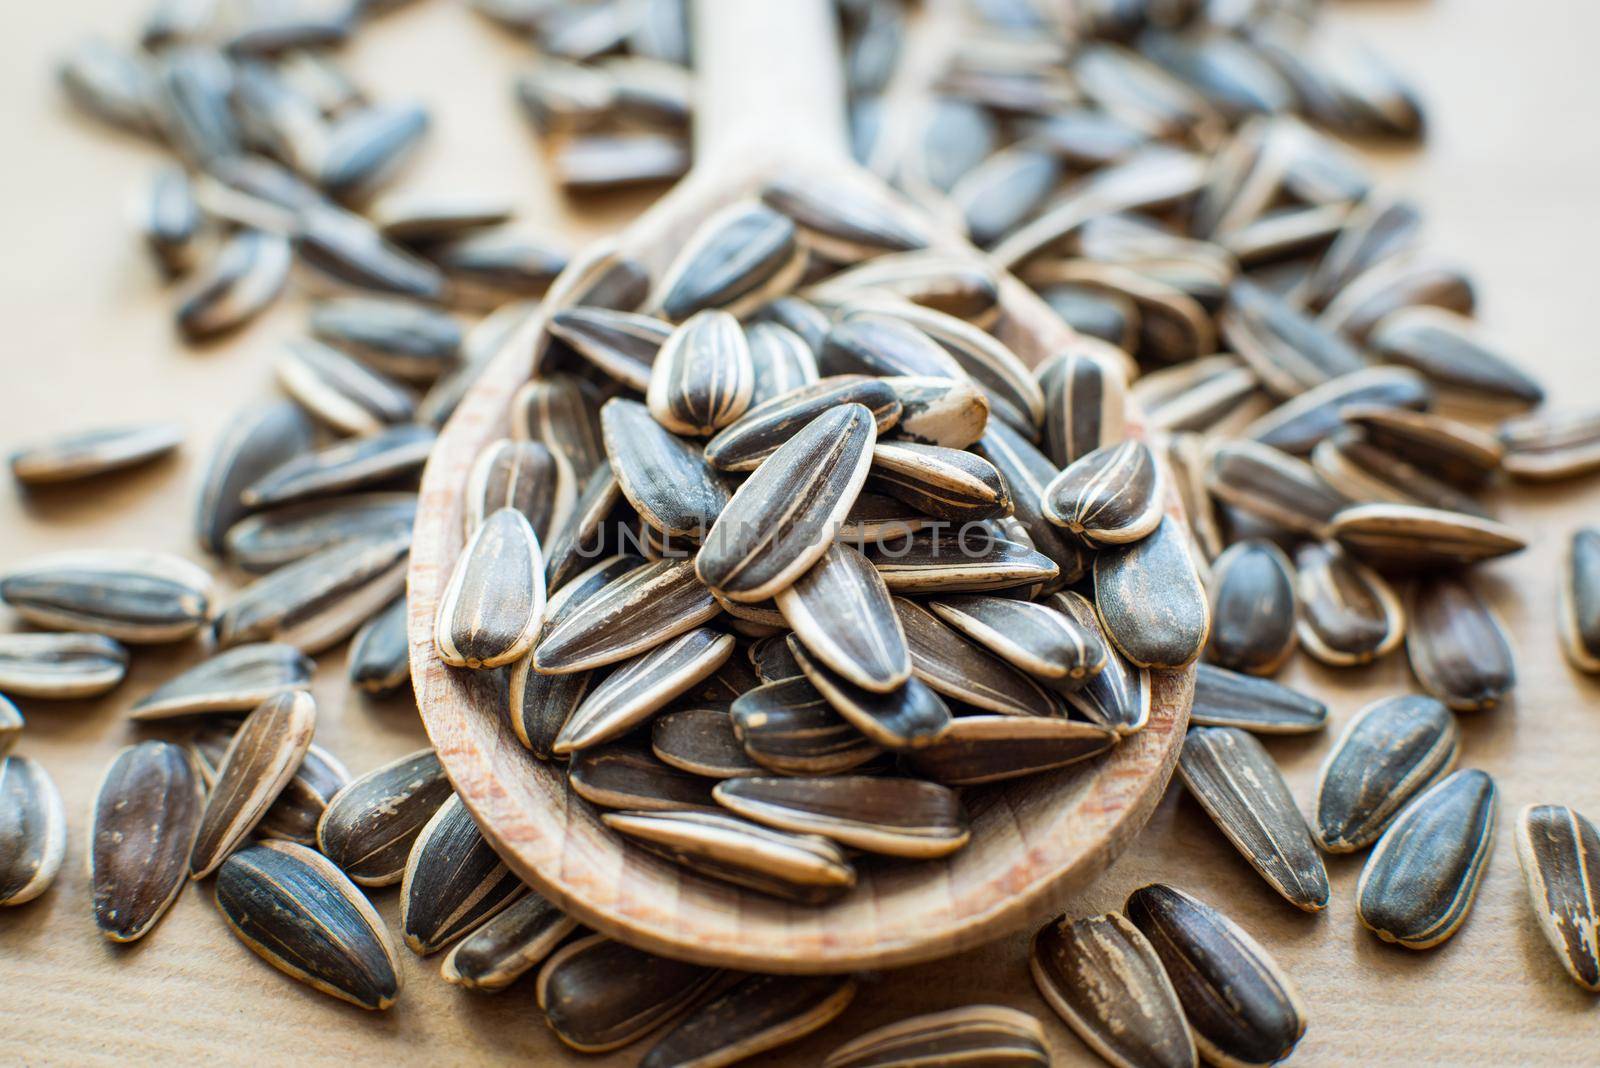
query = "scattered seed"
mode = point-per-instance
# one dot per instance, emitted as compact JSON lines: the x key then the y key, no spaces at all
{"x":1407,"y":536}
{"x":1457,"y":646}
{"x":1392,"y":750}
{"x":380,"y":652}
{"x":341,"y":391}
{"x":454,"y":881}
{"x":600,"y":995}
{"x":759,"y":1013}
{"x":295,"y":814}
{"x":1349,"y":614}
{"x":1225,"y":698}
{"x":1580,"y":600}
{"x":33,"y":830}
{"x":1254,"y":613}
{"x":1560,"y":854}
{"x":1150,"y":600}
{"x":94,"y":452}
{"x":255,"y":441}
{"x":358,"y":464}
{"x":146,"y":816}
{"x":642,"y":686}
{"x":508,"y":946}
{"x":369,"y":826}
{"x":133,"y":596}
{"x":293,"y":532}
{"x":60,"y":666}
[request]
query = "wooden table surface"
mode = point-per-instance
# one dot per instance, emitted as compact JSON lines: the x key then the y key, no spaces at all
{"x":1508,"y":179}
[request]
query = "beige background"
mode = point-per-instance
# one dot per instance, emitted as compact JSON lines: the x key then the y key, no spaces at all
{"x":1507,"y":177}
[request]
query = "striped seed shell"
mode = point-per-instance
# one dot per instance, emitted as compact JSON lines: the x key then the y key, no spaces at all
{"x":1235,"y":780}
{"x":973,"y":750}
{"x":340,"y":390}
{"x":1392,"y":750}
{"x":320,"y":600}
{"x":410,"y":340}
{"x":1459,"y":650}
{"x":877,"y":344}
{"x":242,"y":280}
{"x":702,"y":378}
{"x":508,"y":946}
{"x":560,"y":412}
{"x":359,"y":464}
{"x":60,"y":666}
{"x":1242,"y":1009}
{"x":367,"y":146}
{"x":735,"y":261}
{"x":906,"y":718}
{"x":782,"y":519}
{"x":701,"y":740}
{"x":642,"y":686}
{"x":1028,"y":474}
{"x":258,"y":764}
{"x":627,"y":776}
{"x":796,"y":867}
{"x":666,"y":479}
{"x":781,"y":359}
{"x":1548,"y":446}
{"x":599,"y":995}
{"x":94,"y":452}
{"x":771,"y":659}
{"x":1349,"y":614}
{"x":1111,"y":496}
{"x":939,"y":411}
{"x":133,"y":596}
{"x":843,"y":221}
{"x":1298,"y":424}
{"x":33,"y":830}
{"x":750,"y":440}
{"x":569,"y":546}
{"x":1456,"y":452}
{"x":601,"y":161}
{"x":1289,"y":351}
{"x":255,"y":441}
{"x":634,"y":612}
{"x":841,"y":610}
{"x":236,"y":680}
{"x":896,"y":817}
{"x":524,"y":475}
{"x":267,"y":541}
{"x":1195,"y":396}
{"x":295,"y":909}
{"x":1254,"y":611}
{"x":789,"y":727}
{"x":1151,"y":603}
{"x":1401,"y":282}
{"x":1035,"y":638}
{"x":1184,"y":457}
{"x":369,"y":826}
{"x":489,"y":267}
{"x":294,"y":815}
{"x":955,"y":667}
{"x":490,"y":610}
{"x":1085,"y":406}
{"x":946,"y":483}
{"x":1364,"y":472}
{"x":1272,"y":485}
{"x":1105,"y":980}
{"x":994,"y":1035}
{"x":539,"y":705}
{"x":1420,"y":880}
{"x":1560,"y":854}
{"x":623,"y":345}
{"x":380,"y":653}
{"x":454,"y":881}
{"x":428,"y":215}
{"x":146,"y":816}
{"x":877,"y":518}
{"x":970,"y":559}
{"x":1405,"y":536}
{"x":1579,"y":610}
{"x":1118,"y":696}
{"x":759,"y":1013}
{"x":1224,"y":698}
{"x":959,"y":285}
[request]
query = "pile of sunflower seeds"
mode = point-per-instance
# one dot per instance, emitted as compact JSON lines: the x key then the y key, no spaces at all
{"x":787,"y":552}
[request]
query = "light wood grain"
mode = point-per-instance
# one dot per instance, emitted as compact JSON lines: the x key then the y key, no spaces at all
{"x":1508,"y":179}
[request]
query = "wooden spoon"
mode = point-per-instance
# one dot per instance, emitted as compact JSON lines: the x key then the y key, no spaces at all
{"x":770,"y":102}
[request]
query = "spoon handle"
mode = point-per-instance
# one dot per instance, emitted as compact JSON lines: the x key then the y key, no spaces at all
{"x":769,"y":82}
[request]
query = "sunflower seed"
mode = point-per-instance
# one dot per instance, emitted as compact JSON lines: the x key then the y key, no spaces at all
{"x":761,"y":431}
{"x":295,"y":909}
{"x":233,"y":681}
{"x":782,"y":519}
{"x":1364,"y":472}
{"x":983,"y":749}
{"x":971,"y":559}
{"x":1151,"y":603}
{"x":658,"y":602}
{"x":903,"y":719}
{"x":843,"y":221}
{"x":772,"y":661}
{"x":591,"y":162}
{"x":570,"y":545}
{"x":643,"y":686}
{"x":1225,"y":698}
{"x":789,"y":727}
{"x":1392,"y":750}
{"x":737,"y":259}
{"x":380,"y":652}
{"x":418,"y":217}
{"x":340,"y":391}
{"x":1285,"y":234}
{"x":760,"y":1013}
{"x":1110,"y":496}
{"x":871,"y":652}
{"x":956,"y":668}
{"x":1254,"y":612}
{"x":320,"y":600}
{"x":1196,"y":395}
{"x":254,"y":193}
{"x":655,"y":91}
{"x":1442,"y":345}
{"x":1458,"y":648}
{"x":1419,"y":882}
{"x":402,"y":338}
{"x":255,"y":441}
{"x":1298,"y":424}
{"x":599,"y":995}
{"x":897,"y":817}
{"x":195,"y":82}
{"x":112,"y":85}
{"x":453,"y":882}
{"x":701,"y":740}
{"x":1545,"y":447}
{"x":1085,"y":402}
{"x":1184,"y":457}
{"x":60,"y":666}
{"x":557,"y":96}
{"x":702,"y":378}
{"x":347,"y":250}
{"x":146,"y":815}
{"x":621,"y":344}
{"x":1106,"y":981}
{"x":557,"y":411}
{"x":242,"y":280}
{"x":1234,"y":779}
{"x":94,"y":452}
{"x":797,"y":867}
{"x":629,"y":777}
{"x":873,"y":343}
{"x":508,"y":946}
{"x":1093,"y":311}
{"x":33,"y":830}
{"x":1560,"y":854}
{"x":1401,"y":282}
{"x":1349,"y":614}
{"x":1460,"y":454}
{"x":295,"y":814}
{"x":133,"y":596}
{"x":1173,"y":326}
{"x":781,"y":359}
{"x":370,"y":825}
{"x":1579,"y":610}
{"x":367,"y":148}
{"x":947,"y":483}
{"x":489,"y":267}
{"x":351,"y":465}
{"x":1377,"y":229}
{"x":1273,"y":485}
{"x":259,"y":763}
{"x":1290,"y":352}
{"x":957,"y":285}
{"x":1027,"y":475}
{"x":1118,"y":696}
{"x":292,"y":532}
{"x":973,"y":1034}
{"x":541,"y":704}
{"x":1003,"y":191}
{"x":1240,"y":1006}
{"x":664,"y":477}
{"x":490,"y":610}
{"x":1034,"y":638}
{"x":939,"y":411}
